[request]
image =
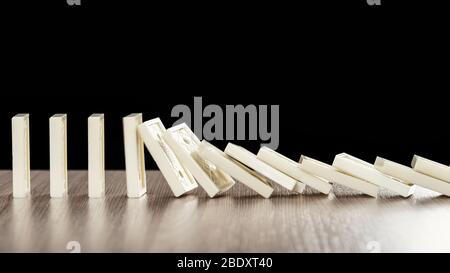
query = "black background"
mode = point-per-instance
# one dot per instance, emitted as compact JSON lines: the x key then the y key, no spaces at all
{"x":348,"y":77}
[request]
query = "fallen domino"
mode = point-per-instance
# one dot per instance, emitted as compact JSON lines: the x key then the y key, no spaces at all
{"x":185,"y":145}
{"x":293,"y":169}
{"x":240,"y":172}
{"x":333,"y":175}
{"x":406,"y":173}
{"x":178,"y":178}
{"x":364,"y":170}
{"x":431,"y":168}
{"x":250,"y":160}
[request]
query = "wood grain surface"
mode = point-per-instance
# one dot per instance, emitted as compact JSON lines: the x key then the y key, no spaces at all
{"x":237,"y":221}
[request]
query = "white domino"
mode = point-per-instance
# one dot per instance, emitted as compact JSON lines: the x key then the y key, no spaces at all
{"x":408,"y":174}
{"x":431,"y":168}
{"x":250,"y":160}
{"x":293,"y":169}
{"x":134,"y":156}
{"x":185,"y":144}
{"x":178,"y":178}
{"x":58,"y":156}
{"x":21,"y":155}
{"x":96,"y":156}
{"x":240,"y":172}
{"x":364,"y":170}
{"x":330,"y":173}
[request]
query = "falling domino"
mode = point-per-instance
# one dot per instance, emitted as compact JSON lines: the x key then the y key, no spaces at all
{"x":240,"y":172}
{"x":185,"y":145}
{"x":179,"y":179}
{"x":250,"y":160}
{"x":21,"y":155}
{"x":58,"y":156}
{"x":330,"y":173}
{"x":408,"y":174}
{"x":96,"y":156}
{"x":293,"y":169}
{"x":364,"y":170}
{"x":431,"y":168}
{"x":134,"y":156}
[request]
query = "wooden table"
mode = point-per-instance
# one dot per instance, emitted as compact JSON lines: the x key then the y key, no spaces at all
{"x":238,"y":221}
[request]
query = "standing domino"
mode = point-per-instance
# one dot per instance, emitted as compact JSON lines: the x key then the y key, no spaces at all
{"x":21,"y":155}
{"x":96,"y":154}
{"x":58,"y":156}
{"x":364,"y":170}
{"x":134,"y":156}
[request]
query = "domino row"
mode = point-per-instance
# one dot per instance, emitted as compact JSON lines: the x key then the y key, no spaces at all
{"x":186,"y":162}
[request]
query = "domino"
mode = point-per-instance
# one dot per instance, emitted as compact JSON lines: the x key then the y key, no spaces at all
{"x":58,"y":156}
{"x":21,"y":155}
{"x":178,"y":178}
{"x":134,"y":156}
{"x":330,"y":173}
{"x":249,"y":159}
{"x":364,"y":170}
{"x":96,"y":156}
{"x":240,"y":172}
{"x":185,"y":144}
{"x":431,"y":168}
{"x":293,"y":169}
{"x":408,"y":174}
